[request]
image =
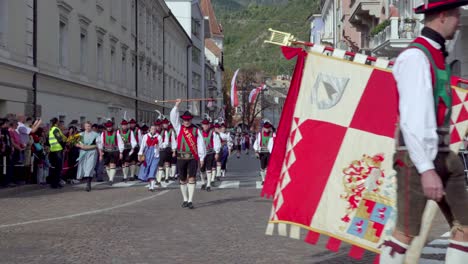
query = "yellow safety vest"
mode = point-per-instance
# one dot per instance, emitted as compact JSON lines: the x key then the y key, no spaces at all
{"x":53,"y":142}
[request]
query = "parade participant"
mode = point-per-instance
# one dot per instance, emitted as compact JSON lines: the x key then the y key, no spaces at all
{"x":57,"y":141}
{"x":88,"y":155}
{"x":148,"y":155}
{"x":426,"y":168}
{"x":212,"y":146}
{"x":168,"y":150}
{"x":109,"y":150}
{"x":173,"y":174}
{"x":226,"y":146}
{"x":158,"y":124}
{"x":238,"y":144}
{"x":134,"y":164}
{"x":127,"y":145}
{"x":263,"y":146}
{"x":247,"y":143}
{"x":190,"y":151}
{"x":144,"y":130}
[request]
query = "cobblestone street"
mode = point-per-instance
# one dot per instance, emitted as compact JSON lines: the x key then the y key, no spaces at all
{"x":132,"y":225}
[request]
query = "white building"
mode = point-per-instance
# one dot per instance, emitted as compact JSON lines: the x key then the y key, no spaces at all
{"x":89,"y":60}
{"x":190,"y":16}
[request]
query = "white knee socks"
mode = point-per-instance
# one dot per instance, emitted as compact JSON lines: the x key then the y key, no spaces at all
{"x":183,"y":189}
{"x":191,"y":191}
{"x":111,"y":174}
{"x":393,"y":252}
{"x":457,"y":252}
{"x":263,"y":175}
{"x":203,"y":176}
{"x":132,"y":170}
{"x":168,"y":169}
{"x":208,"y":178}
{"x":218,"y":171}
{"x":160,"y":174}
{"x":151,"y":185}
{"x":173,"y":170}
{"x":125,"y":172}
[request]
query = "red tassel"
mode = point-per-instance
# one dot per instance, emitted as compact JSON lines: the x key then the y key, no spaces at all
{"x":312,"y":237}
{"x":356,"y":252}
{"x":333,"y":244}
{"x":377,"y":259}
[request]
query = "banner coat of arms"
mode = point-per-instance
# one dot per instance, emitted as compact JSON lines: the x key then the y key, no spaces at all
{"x":331,"y":170}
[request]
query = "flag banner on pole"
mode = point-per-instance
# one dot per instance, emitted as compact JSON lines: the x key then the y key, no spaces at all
{"x":331,"y":169}
{"x":234,"y":96}
{"x":254,"y":93}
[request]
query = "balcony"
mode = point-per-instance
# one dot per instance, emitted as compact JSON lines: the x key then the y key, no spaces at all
{"x":395,"y":37}
{"x":363,"y":11}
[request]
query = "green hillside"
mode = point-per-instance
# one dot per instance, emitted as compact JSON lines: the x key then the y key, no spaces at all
{"x":246,"y":24}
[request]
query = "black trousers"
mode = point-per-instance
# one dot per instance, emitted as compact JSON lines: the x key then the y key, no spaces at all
{"x":264,"y":158}
{"x":187,"y":168}
{"x":56,"y":160}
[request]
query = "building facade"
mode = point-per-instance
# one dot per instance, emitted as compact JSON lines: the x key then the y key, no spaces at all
{"x":90,"y":60}
{"x":190,"y":16}
{"x":214,"y":61}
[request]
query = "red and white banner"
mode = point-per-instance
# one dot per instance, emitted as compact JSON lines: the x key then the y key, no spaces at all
{"x":255,"y":92}
{"x":234,"y":96}
{"x":331,"y":169}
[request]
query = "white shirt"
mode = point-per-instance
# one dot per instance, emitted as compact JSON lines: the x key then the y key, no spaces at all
{"x":177,"y":127}
{"x":121,"y":143}
{"x":418,"y":125}
{"x":257,"y":143}
{"x":166,"y":140}
{"x":143,"y":145}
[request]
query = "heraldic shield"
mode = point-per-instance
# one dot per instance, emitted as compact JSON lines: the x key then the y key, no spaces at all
{"x":331,"y":170}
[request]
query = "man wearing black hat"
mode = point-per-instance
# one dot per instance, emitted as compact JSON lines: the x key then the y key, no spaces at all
{"x":109,"y":150}
{"x":263,"y":146}
{"x":127,"y":144}
{"x":190,"y":151}
{"x":134,"y":163}
{"x":168,"y":150}
{"x":426,"y":168}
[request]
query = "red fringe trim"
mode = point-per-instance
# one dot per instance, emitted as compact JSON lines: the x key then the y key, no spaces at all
{"x":333,"y":244}
{"x":356,"y":252}
{"x":312,"y":238}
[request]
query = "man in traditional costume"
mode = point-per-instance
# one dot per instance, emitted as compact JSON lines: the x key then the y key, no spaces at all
{"x":426,"y":168}
{"x":109,"y":150}
{"x":190,"y":152}
{"x":148,"y":155}
{"x":134,"y":163}
{"x":168,"y":151}
{"x":213,"y":147}
{"x":88,"y":155}
{"x":226,"y":146}
{"x":238,"y":144}
{"x":263,"y":147}
{"x":127,"y":145}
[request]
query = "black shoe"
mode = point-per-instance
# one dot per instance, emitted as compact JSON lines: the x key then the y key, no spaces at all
{"x":184,"y":204}
{"x":111,"y":183}
{"x":88,"y":187}
{"x":167,"y":180}
{"x":262,"y":183}
{"x":208,"y":189}
{"x":190,"y":205}
{"x":218,"y":178}
{"x":158,"y":184}
{"x":125,"y":180}
{"x":203,"y":187}
{"x":133,"y":178}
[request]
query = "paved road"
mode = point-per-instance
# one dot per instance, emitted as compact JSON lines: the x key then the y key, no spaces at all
{"x":128,"y":224}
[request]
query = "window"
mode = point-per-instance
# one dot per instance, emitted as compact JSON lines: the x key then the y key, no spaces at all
{"x":196,"y":81}
{"x":132,"y":16}
{"x":114,"y":9}
{"x":83,"y":51}
{"x":113,"y":64}
{"x":100,"y":62}
{"x":123,"y":8}
{"x":3,"y":22}
{"x":196,"y":27}
{"x":124,"y":68}
{"x":63,"y":44}
{"x":196,"y":55}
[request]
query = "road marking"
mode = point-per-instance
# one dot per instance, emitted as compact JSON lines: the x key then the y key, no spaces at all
{"x":430,"y":261}
{"x":84,"y":213}
{"x":124,"y":184}
{"x":229,"y":184}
